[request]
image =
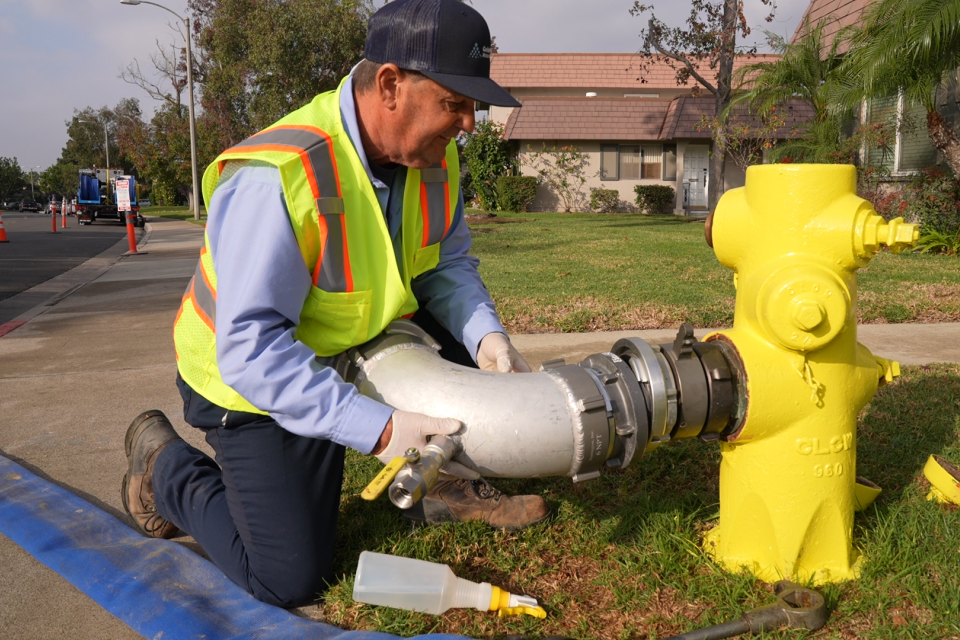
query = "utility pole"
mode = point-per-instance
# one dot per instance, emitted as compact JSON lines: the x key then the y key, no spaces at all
{"x":193,"y":132}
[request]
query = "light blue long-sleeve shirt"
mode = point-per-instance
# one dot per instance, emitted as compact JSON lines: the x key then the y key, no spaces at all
{"x":262,"y":282}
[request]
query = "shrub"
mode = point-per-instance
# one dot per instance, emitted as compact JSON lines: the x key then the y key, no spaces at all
{"x":655,"y":198}
{"x":604,"y":200}
{"x":516,"y":192}
{"x":489,"y":156}
{"x":939,"y":242}
{"x":931,"y":199}
{"x":563,"y":170}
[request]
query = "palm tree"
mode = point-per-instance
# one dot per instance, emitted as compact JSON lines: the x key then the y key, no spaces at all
{"x":810,"y":71}
{"x":911,"y":47}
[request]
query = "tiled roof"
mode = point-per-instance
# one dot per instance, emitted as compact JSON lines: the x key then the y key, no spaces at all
{"x":587,"y":119}
{"x":839,"y":14}
{"x":626,"y":118}
{"x":596,"y":70}
{"x":688,"y":119}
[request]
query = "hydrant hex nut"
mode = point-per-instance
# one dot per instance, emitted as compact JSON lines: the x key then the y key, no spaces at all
{"x":803,"y":307}
{"x":808,"y":313}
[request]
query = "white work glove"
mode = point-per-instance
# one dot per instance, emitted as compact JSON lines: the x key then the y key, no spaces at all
{"x":497,"y":354}
{"x":412,"y":430}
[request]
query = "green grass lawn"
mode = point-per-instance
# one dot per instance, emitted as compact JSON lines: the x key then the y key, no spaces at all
{"x":588,"y":272}
{"x":177,"y":212}
{"x":622,"y":556}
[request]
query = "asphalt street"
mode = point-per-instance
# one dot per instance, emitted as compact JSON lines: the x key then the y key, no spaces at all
{"x":34,"y":254}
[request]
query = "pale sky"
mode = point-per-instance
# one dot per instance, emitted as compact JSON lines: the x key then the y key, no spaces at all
{"x":61,"y":55}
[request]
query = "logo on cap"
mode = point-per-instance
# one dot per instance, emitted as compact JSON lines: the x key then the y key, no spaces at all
{"x":477,"y":52}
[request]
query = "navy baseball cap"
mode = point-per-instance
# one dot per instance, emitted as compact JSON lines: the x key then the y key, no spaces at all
{"x":445,"y":40}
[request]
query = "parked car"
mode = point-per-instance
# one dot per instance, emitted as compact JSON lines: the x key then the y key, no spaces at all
{"x":29,"y":205}
{"x":144,"y":203}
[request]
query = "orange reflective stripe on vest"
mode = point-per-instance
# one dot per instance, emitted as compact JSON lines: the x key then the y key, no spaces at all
{"x":435,"y":203}
{"x":332,"y":271}
{"x":202,"y":295}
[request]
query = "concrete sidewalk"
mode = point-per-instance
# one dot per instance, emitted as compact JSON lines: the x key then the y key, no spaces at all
{"x":97,"y":349}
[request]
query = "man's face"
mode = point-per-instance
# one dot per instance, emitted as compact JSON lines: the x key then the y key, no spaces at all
{"x":426,"y":118}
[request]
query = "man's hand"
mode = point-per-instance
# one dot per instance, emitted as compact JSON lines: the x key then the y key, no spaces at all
{"x":408,"y":429}
{"x":497,"y":354}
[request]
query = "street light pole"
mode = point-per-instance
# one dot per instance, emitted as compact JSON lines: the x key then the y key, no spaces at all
{"x":32,"y":194}
{"x":193,"y":132}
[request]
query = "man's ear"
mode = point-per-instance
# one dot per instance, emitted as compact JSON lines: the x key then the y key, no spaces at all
{"x":387,"y":84}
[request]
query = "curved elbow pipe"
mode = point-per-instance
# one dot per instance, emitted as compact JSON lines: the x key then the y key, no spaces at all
{"x":566,"y":420}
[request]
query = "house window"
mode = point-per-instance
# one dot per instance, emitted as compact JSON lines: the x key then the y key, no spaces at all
{"x":629,"y":162}
{"x":634,"y":161}
{"x":609,"y":162}
{"x":652,"y":161}
{"x":911,"y":149}
{"x":669,"y":162}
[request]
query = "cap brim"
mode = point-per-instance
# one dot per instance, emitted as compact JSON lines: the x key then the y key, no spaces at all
{"x":480,"y":89}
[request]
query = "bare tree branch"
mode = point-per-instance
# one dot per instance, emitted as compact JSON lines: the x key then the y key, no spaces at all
{"x":169,"y":62}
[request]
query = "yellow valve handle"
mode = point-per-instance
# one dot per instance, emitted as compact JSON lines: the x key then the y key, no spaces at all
{"x":385,"y":477}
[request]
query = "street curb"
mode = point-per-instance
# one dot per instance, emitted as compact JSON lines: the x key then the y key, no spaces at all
{"x":61,"y":286}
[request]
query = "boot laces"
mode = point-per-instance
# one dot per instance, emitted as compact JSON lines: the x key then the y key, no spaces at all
{"x":154,"y":523}
{"x":485,"y":490}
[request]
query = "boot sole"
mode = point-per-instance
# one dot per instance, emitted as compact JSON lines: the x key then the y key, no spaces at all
{"x":433,"y":511}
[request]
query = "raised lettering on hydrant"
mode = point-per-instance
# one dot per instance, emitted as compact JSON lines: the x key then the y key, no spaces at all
{"x":795,"y":236}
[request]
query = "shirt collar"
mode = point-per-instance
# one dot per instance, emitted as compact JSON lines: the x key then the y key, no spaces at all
{"x":348,"y":113}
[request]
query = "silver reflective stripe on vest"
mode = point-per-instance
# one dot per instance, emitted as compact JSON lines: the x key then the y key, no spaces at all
{"x":433,"y":174}
{"x":313,"y":144}
{"x":202,"y":294}
{"x":332,"y":276}
{"x":330,"y":207}
{"x":434,"y":181}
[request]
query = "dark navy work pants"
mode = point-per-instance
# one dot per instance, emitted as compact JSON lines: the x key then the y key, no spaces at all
{"x":266,"y":510}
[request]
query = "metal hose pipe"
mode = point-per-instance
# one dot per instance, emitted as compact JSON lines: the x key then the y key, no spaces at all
{"x":566,"y":420}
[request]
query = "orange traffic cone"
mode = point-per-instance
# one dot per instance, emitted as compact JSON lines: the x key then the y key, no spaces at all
{"x":3,"y":232}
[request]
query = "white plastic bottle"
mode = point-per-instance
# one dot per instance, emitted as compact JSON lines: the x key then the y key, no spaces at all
{"x":418,"y":585}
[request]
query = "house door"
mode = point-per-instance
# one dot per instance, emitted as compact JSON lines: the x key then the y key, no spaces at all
{"x":696,"y":163}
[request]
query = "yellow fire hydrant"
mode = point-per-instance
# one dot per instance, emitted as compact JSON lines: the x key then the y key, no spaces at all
{"x":795,"y":236}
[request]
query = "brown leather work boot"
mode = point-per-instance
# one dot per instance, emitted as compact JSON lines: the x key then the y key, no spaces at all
{"x":461,"y":500}
{"x":147,"y":435}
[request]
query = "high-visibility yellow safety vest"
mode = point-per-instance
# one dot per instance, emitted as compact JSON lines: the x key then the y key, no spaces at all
{"x":357,"y":286}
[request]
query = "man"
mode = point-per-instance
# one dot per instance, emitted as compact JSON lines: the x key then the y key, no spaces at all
{"x":343,"y":216}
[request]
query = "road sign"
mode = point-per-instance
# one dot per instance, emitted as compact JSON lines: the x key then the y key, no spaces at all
{"x":123,"y":195}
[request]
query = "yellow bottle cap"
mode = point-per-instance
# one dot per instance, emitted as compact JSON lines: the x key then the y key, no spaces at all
{"x":508,"y":604}
{"x":536,"y":612}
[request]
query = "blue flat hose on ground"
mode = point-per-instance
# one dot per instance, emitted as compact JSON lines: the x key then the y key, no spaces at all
{"x":157,"y":587}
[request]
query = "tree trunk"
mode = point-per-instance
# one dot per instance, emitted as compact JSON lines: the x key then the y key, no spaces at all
{"x":945,"y":140}
{"x":717,"y":162}
{"x":728,"y":46}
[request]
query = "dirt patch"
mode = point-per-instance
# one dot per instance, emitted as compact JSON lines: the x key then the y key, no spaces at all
{"x":587,"y":314}
{"x":486,"y":218}
{"x":925,"y":303}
